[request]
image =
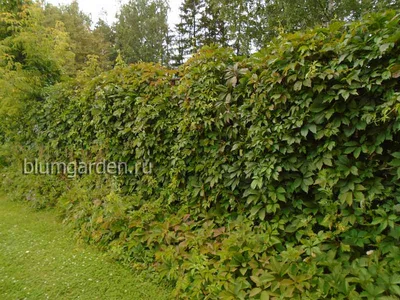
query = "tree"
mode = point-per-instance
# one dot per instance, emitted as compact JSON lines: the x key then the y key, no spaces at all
{"x":32,"y":58}
{"x":201,"y":24}
{"x":84,"y":40}
{"x":9,"y":10}
{"x":13,"y":6}
{"x":248,"y":25}
{"x":105,"y":38}
{"x":177,"y":48}
{"x":238,"y":15}
{"x":142,"y":31}
{"x":213,"y":26}
{"x":188,"y":30}
{"x":297,"y":15}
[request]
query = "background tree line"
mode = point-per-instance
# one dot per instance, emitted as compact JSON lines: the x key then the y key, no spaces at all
{"x":142,"y":33}
{"x":244,"y":25}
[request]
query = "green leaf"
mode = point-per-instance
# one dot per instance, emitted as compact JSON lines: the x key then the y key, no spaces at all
{"x":261,"y":214}
{"x":386,"y":75}
{"x":354,"y":170}
{"x":256,"y":280}
{"x":255,"y":292}
{"x":257,"y":183}
{"x":357,"y":152}
{"x":264,"y":295}
{"x":346,"y":198}
{"x":254,"y":210}
{"x":345,"y":94}
{"x":395,"y":163}
{"x":307,"y":82}
{"x":396,"y":154}
{"x":345,"y":247}
{"x":298,"y":85}
{"x":313,"y":128}
{"x":384,"y":47}
{"x":304,"y":131}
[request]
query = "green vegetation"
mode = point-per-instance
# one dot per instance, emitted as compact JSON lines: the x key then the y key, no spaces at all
{"x":274,"y":176}
{"x":251,"y":24}
{"x":82,"y":40}
{"x":142,"y":31}
{"x":39,"y":260}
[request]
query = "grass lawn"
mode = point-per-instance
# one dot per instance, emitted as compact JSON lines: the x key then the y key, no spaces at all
{"x":40,"y":260}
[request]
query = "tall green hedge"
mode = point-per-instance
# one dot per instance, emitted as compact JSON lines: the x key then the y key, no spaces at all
{"x":275,"y":176}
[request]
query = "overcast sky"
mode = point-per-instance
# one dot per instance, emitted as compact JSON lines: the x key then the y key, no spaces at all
{"x":106,"y":9}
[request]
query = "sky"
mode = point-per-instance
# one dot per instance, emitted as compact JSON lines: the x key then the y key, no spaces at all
{"x":106,"y":9}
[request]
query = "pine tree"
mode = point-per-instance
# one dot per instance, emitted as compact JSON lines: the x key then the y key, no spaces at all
{"x":212,"y":26}
{"x":177,"y":46}
{"x":188,"y":29}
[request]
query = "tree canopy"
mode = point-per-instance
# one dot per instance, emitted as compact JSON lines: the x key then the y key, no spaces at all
{"x":142,"y":31}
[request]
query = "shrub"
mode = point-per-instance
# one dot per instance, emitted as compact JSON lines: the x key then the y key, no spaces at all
{"x":275,"y":176}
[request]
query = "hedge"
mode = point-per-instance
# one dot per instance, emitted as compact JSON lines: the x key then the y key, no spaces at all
{"x":275,"y":176}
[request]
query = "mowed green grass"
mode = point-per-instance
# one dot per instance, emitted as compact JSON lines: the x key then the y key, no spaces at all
{"x":40,"y":260}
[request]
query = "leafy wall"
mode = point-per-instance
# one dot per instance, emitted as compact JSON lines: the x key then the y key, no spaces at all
{"x":275,"y":175}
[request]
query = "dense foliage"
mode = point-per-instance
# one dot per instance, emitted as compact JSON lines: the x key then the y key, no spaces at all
{"x":83,"y":40}
{"x":32,"y":57}
{"x":248,"y":25}
{"x":275,"y":176}
{"x":142,"y":31}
